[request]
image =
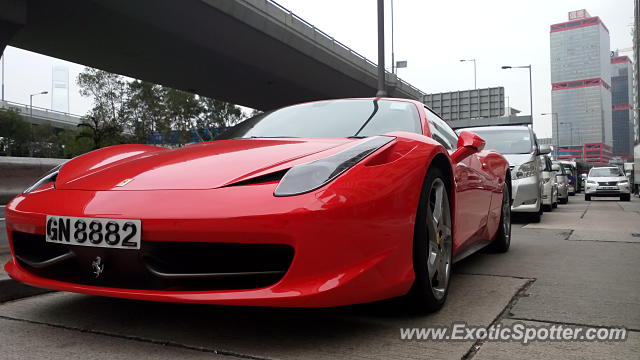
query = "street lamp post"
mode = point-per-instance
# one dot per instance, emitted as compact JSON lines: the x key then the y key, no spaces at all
{"x":3,"y":76}
{"x":381,"y":73}
{"x":554,"y":116}
{"x":31,"y":102}
{"x":393,"y":55}
{"x":475,"y":74}
{"x":530,"y":85}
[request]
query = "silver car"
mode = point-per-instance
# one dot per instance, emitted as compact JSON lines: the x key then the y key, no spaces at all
{"x":519,"y":145}
{"x":607,"y":181}
{"x":549,"y":184}
{"x":563,"y":183}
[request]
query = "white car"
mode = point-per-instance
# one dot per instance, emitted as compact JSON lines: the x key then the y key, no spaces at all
{"x":549,"y":184}
{"x":607,"y":181}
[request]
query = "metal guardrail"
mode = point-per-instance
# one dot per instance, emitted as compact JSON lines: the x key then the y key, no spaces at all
{"x":27,"y":109}
{"x":331,"y":39}
{"x":17,"y":173}
{"x":40,"y":114}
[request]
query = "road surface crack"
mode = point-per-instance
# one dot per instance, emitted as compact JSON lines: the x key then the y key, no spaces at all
{"x":573,"y":324}
{"x":522,"y":292}
{"x":585,"y":211}
{"x":140,"y":339}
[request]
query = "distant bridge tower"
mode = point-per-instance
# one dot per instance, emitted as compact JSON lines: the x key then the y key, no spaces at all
{"x":60,"y":88}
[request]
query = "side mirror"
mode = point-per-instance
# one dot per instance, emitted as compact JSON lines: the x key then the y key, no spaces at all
{"x":544,"y":149}
{"x":555,"y":167}
{"x":468,"y":144}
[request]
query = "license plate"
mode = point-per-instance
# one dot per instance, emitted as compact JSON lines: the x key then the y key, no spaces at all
{"x":98,"y":232}
{"x":608,"y":188}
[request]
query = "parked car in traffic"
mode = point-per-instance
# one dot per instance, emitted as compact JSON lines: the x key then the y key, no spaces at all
{"x":570,"y":170}
{"x":607,"y":181}
{"x":563,"y":183}
{"x":549,"y":184}
{"x":520,"y":146}
{"x":371,"y":180}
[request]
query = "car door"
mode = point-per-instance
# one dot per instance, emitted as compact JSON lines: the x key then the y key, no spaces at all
{"x":472,"y":196}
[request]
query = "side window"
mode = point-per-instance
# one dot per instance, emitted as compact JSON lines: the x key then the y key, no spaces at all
{"x":440,"y":130}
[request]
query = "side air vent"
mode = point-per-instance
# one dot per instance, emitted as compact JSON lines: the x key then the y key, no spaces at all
{"x":272,"y":177}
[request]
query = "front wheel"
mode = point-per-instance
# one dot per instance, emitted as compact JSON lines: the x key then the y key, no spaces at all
{"x":432,"y":246}
{"x":587,"y":197}
{"x":625,"y":197}
{"x":502,"y":240}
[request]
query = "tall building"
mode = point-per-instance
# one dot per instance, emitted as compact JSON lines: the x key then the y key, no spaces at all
{"x":60,"y":88}
{"x":636,"y":69}
{"x":621,"y":98}
{"x":581,"y":82}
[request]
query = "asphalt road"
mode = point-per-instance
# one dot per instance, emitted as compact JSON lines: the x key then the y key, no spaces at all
{"x":579,"y":267}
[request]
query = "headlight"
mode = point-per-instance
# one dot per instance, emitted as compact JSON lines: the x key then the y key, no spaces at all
{"x":47,"y":178}
{"x":623,"y":182}
{"x":312,"y":175}
{"x":526,"y":170}
{"x":592,"y":182}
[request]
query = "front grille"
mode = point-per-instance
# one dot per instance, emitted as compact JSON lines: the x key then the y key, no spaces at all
{"x":607,"y":183}
{"x":169,"y":266}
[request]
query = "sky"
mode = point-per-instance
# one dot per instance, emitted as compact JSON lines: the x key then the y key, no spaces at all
{"x":432,"y":36}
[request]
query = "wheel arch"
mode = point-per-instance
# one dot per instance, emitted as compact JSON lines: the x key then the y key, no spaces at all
{"x":442,"y":162}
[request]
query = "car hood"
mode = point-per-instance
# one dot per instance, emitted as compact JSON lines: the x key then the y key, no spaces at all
{"x":199,"y":166}
{"x":518,"y":159}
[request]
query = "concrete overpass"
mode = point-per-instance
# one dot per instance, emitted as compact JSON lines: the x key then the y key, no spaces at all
{"x":248,"y":52}
{"x":38,"y":115}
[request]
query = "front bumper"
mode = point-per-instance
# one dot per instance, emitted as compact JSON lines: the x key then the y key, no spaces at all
{"x":349,"y":246}
{"x":526,"y":195}
{"x":597,"y":190}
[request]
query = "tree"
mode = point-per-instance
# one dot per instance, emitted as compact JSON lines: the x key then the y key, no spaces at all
{"x":15,"y":133}
{"x":74,"y":142}
{"x":44,"y":141}
{"x":107,"y":119}
{"x":218,"y":115}
{"x":146,"y":110}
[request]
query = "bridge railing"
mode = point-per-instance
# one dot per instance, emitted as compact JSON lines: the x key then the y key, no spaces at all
{"x":372,"y":66}
{"x":42,"y":113}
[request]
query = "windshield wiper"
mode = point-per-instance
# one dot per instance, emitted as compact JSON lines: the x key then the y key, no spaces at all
{"x":357,"y":137}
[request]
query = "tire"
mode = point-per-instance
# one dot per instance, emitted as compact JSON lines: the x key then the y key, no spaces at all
{"x":572,"y":194}
{"x":432,"y":246}
{"x":548,"y":208}
{"x":587,"y":197}
{"x":563,"y":201}
{"x":502,"y":240}
{"x":555,"y":205}
{"x":625,"y":197}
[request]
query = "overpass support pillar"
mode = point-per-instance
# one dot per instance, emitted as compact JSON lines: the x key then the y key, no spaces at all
{"x":13,"y":15}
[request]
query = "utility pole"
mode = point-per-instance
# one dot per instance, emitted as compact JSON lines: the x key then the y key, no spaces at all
{"x":381,"y":72}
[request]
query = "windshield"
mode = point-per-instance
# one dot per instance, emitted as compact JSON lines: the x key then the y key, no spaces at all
{"x":605,"y":172}
{"x":561,"y":171}
{"x":331,"y":119}
{"x":568,"y":168}
{"x":513,"y":141}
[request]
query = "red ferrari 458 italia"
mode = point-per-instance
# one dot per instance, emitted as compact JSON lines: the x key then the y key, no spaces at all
{"x":319,"y":204}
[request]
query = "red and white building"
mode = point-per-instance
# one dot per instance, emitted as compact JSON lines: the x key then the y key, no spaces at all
{"x":581,"y":85}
